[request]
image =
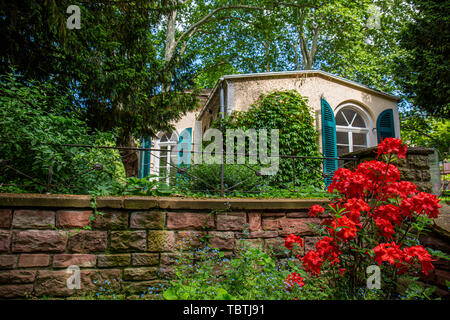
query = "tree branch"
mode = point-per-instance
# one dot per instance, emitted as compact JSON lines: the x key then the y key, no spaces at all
{"x":192,"y":29}
{"x":314,"y":44}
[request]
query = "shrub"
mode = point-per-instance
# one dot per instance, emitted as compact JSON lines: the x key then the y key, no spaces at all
{"x":35,"y":120}
{"x":205,"y":179}
{"x":376,"y":220}
{"x":288,"y":112}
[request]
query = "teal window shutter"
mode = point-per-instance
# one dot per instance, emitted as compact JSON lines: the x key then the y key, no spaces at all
{"x":145,"y":167}
{"x":184,"y":147}
{"x":385,"y":125}
{"x":328,"y":141}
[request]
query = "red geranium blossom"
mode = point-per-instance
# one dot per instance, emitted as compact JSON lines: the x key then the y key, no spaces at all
{"x":294,"y":279}
{"x":402,"y":189}
{"x":375,"y":172}
{"x":392,"y":145}
{"x":385,"y":227}
{"x":328,"y":250}
{"x":422,"y":203}
{"x":348,"y":228}
{"x":354,"y":208}
{"x":389,"y":212}
{"x":312,"y":262}
{"x":422,"y":255}
{"x":316,"y":209}
{"x":291,"y":239}
{"x":388,"y":252}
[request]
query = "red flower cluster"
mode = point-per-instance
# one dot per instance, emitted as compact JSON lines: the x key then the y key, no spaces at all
{"x":366,"y":180}
{"x":291,"y":239}
{"x":392,"y":254}
{"x":312,"y":262}
{"x":354,"y":208}
{"x":315,"y":210}
{"x":402,"y":189}
{"x":326,"y":249}
{"x":294,"y":279}
{"x":386,"y":217}
{"x":346,"y":228}
{"x":422,"y":203}
{"x":392,"y":145}
{"x":422,"y":256}
{"x":396,"y":202}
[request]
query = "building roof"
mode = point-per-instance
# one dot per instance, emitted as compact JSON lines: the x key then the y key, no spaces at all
{"x":286,"y":74}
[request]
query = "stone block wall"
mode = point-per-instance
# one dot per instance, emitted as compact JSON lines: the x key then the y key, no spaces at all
{"x":415,"y":168}
{"x":439,"y":239}
{"x":133,"y":242}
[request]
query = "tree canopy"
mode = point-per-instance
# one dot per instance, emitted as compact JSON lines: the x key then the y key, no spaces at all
{"x":423,"y":67}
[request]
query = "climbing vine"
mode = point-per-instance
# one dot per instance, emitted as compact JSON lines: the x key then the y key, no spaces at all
{"x":288,"y":112}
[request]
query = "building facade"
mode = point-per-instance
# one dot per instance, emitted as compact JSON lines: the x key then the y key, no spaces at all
{"x":348,"y":116}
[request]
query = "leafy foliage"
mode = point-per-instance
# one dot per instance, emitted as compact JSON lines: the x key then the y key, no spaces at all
{"x":111,"y":69}
{"x":204,"y":179}
{"x":34,"y":123}
{"x":288,"y":112}
{"x":420,"y":130}
{"x":422,"y":68}
{"x":252,"y":274}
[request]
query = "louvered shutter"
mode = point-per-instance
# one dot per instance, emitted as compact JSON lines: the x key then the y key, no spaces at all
{"x":328,"y":141}
{"x":385,"y":125}
{"x":184,"y":147}
{"x":145,"y":166}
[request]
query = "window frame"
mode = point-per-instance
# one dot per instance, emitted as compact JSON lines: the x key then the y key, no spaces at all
{"x":368,"y":130}
{"x":171,"y":150}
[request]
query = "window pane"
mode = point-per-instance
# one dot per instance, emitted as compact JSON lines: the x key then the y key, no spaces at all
{"x":358,"y":122}
{"x":165,"y":138}
{"x":342,"y":150}
{"x":340,"y":121}
{"x":342,"y":137}
{"x":360,"y":139}
{"x":349,"y":114}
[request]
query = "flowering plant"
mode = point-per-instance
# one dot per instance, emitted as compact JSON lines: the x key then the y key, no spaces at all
{"x":376,"y":220}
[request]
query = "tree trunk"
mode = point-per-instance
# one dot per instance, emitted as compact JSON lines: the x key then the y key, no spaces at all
{"x":130,"y":158}
{"x":170,"y":35}
{"x":170,"y":44}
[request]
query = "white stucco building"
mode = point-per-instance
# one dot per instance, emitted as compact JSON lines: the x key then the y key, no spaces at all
{"x":349,"y":116}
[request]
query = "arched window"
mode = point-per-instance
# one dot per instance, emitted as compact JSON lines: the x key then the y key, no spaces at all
{"x":352,"y":129}
{"x":164,"y":165}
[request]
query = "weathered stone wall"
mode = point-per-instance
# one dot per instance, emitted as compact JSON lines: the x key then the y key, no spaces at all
{"x":439,"y":239}
{"x":415,"y":168}
{"x":135,"y":239}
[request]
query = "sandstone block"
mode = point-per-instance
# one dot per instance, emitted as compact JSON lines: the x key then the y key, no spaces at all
{"x":128,"y":240}
{"x":38,"y":241}
{"x":34,"y":260}
{"x":33,"y":219}
{"x":188,"y":220}
{"x":147,"y":220}
{"x":73,"y":218}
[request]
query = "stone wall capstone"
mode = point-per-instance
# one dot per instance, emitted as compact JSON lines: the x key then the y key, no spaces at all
{"x":131,"y":241}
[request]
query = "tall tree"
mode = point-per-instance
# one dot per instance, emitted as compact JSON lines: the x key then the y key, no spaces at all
{"x":353,"y":39}
{"x":423,"y":68}
{"x":113,"y":64}
{"x":124,"y":83}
